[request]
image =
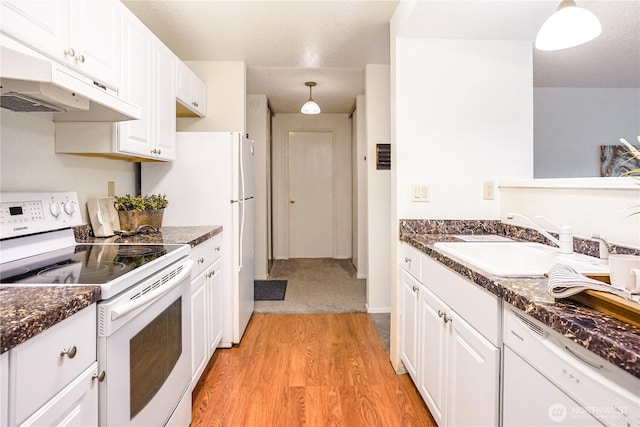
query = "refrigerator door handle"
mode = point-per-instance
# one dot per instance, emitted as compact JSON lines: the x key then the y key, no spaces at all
{"x":241,"y":159}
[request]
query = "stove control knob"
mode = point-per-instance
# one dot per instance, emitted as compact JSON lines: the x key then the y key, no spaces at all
{"x":69,"y":208}
{"x":55,"y":210}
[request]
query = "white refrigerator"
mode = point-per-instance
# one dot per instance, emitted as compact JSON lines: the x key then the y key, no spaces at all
{"x":211,"y":183}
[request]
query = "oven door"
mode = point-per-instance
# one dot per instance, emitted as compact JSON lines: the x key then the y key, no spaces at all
{"x":144,"y":348}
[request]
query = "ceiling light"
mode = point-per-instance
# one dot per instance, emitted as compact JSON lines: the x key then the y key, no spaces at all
{"x":310,"y":107}
{"x":569,"y":26}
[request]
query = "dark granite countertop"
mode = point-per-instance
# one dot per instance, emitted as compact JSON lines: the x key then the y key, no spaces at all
{"x":25,"y":311}
{"x":613,"y":340}
{"x":193,"y":235}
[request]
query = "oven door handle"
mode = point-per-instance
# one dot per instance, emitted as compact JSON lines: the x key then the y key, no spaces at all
{"x":124,"y":309}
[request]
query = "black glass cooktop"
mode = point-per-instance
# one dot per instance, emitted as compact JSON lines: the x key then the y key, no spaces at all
{"x":94,"y":264}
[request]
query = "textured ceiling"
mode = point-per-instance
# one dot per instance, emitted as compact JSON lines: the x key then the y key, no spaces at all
{"x":285,"y":43}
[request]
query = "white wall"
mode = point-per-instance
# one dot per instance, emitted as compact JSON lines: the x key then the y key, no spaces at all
{"x":258,"y":128}
{"x":589,"y":205}
{"x":226,"y":97}
{"x":28,"y":162}
{"x":361,"y":249}
{"x":340,"y":125}
{"x":572,"y":123}
{"x":377,"y":100}
{"x":464,"y":116}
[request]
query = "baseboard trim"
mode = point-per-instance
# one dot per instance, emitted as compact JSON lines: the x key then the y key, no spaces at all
{"x":378,"y":309}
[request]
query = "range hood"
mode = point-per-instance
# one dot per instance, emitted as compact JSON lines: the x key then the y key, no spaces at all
{"x":31,"y":82}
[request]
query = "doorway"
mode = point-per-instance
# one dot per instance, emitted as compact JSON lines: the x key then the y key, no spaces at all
{"x":311,"y":194}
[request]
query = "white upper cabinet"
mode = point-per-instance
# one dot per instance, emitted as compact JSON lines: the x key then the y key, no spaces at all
{"x":191,"y":92}
{"x":84,"y":35}
{"x":148,"y":81}
{"x":137,"y":87}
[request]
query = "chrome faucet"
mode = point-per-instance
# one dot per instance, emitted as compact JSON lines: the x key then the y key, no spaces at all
{"x":604,"y":248}
{"x":565,"y":235}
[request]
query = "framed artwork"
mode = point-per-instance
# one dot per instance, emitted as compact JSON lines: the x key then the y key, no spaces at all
{"x":615,"y":160}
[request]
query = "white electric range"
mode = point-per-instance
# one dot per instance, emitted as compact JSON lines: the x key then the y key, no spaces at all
{"x":143,"y":326}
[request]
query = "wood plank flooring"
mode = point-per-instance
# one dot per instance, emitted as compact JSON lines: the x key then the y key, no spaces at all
{"x":307,"y":370}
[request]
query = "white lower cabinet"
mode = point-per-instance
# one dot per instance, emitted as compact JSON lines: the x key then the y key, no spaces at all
{"x":206,"y":305}
{"x":409,"y":342}
{"x":450,"y":341}
{"x":53,"y":377}
{"x":75,"y":405}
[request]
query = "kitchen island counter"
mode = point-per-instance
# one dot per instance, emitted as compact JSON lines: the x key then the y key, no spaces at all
{"x":613,"y":340}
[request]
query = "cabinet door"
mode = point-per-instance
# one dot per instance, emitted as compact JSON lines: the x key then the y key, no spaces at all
{"x":474,"y":374}
{"x":432,"y":366}
{"x":214,"y":309}
{"x":200,"y":93}
{"x":199,"y":341}
{"x":75,"y":405}
{"x":136,"y":85}
{"x":164,"y":138}
{"x":41,"y":24}
{"x":95,"y":38}
{"x":409,"y":334}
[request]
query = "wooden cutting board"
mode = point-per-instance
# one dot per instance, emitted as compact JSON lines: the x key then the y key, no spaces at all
{"x":613,"y":305}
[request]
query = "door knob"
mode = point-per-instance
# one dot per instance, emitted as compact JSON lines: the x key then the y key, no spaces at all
{"x":292,"y":201}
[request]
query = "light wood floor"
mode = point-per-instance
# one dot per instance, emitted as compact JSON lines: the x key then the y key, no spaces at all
{"x":307,"y":370}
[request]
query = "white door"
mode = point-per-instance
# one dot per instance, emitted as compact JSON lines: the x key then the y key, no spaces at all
{"x":311,"y":213}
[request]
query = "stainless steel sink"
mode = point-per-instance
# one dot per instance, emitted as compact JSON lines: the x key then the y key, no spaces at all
{"x":518,"y":259}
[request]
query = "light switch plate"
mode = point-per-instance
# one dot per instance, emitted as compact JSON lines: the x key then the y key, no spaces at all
{"x":420,"y":193}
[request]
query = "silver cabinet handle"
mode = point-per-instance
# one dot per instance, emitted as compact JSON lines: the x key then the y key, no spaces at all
{"x":70,"y":352}
{"x":200,"y":260}
{"x":415,"y":288}
{"x":70,"y":52}
{"x":217,"y":248}
{"x":80,"y":58}
{"x":159,"y":151}
{"x":444,"y":316}
{"x":100,"y":376}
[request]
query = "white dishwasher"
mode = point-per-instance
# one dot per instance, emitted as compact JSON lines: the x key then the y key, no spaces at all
{"x":550,"y":381}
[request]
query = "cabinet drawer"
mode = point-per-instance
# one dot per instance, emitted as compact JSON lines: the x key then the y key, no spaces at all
{"x":411,"y":260}
{"x":77,"y":403}
{"x":41,"y":368}
{"x":205,"y":254}
{"x":476,"y":305}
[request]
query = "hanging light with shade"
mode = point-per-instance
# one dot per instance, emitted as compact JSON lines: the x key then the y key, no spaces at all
{"x":310,"y":107}
{"x":569,"y":26}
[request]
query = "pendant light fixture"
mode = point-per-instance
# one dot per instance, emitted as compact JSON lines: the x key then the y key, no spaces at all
{"x":310,"y":107}
{"x":569,"y":26}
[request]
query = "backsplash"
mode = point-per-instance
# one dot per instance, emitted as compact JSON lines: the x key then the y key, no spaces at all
{"x":515,"y":232}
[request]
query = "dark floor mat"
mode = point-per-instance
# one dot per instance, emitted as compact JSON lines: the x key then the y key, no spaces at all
{"x":269,"y":290}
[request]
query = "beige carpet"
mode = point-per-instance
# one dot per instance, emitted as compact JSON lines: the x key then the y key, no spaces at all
{"x":316,"y":285}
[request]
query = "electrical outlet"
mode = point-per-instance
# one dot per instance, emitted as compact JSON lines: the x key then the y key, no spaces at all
{"x":111,"y":188}
{"x":489,"y":192}
{"x":420,"y":193}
